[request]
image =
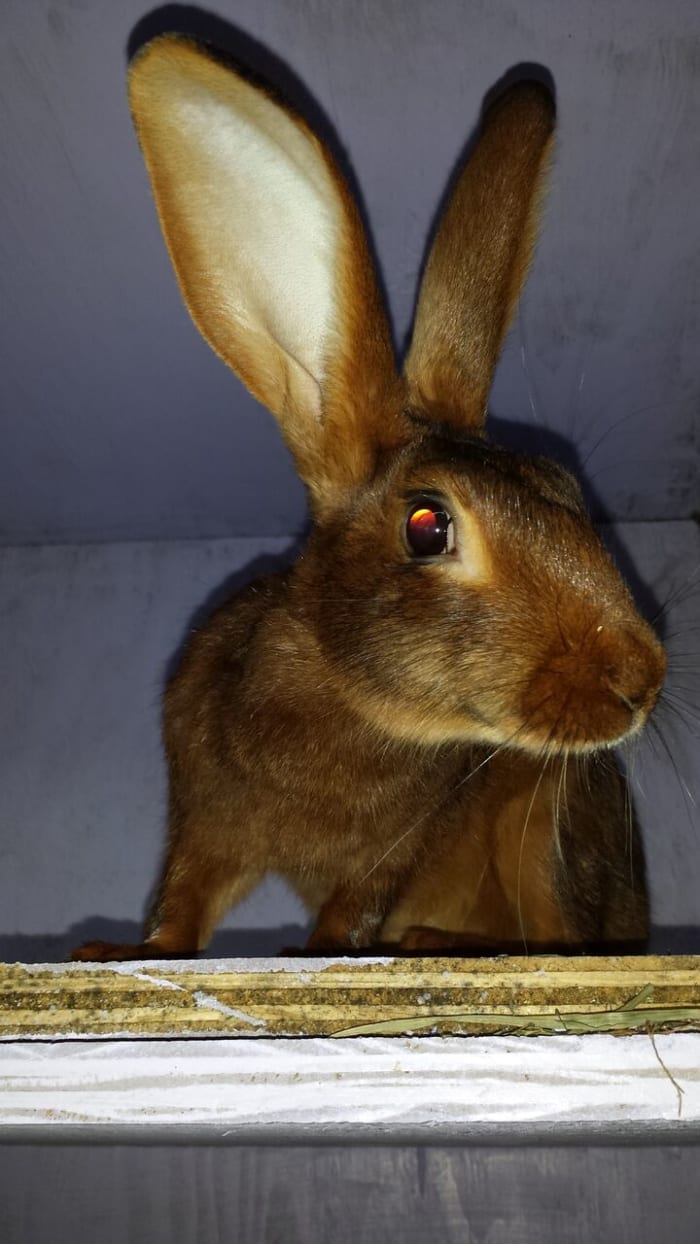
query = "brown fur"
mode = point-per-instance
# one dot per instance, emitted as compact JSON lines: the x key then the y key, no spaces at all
{"x":418,"y":747}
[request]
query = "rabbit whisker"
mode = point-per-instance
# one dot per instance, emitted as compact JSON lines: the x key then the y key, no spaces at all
{"x":678,"y":705}
{"x":629,"y":825}
{"x":620,"y":464}
{"x":429,"y":811}
{"x":633,"y":414}
{"x":582,"y":765}
{"x":687,"y":795}
{"x":520,"y":853}
{"x":561,"y":787}
{"x":634,"y":776}
{"x":677,"y":692}
{"x":679,"y":593}
{"x":682,"y":632}
{"x":547,"y":756}
{"x":462,"y":782}
{"x":526,"y":370}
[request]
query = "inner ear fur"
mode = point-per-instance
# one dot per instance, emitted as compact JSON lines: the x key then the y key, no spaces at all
{"x":271,"y":258}
{"x":480,"y":258}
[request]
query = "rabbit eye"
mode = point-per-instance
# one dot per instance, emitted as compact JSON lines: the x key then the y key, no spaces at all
{"x":429,"y":531}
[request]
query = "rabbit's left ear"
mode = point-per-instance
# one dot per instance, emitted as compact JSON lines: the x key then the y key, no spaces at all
{"x":271,"y":258}
{"x":480,"y":258}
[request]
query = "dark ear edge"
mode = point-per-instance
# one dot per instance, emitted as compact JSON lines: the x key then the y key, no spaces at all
{"x":480,"y":258}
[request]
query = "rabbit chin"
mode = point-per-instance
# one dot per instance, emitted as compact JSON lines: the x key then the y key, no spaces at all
{"x":578,"y":727}
{"x":578,"y":735}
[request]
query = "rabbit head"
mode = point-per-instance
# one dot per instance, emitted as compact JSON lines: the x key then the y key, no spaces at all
{"x":456,"y":591}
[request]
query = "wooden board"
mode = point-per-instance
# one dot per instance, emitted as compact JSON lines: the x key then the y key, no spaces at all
{"x":351,"y":997}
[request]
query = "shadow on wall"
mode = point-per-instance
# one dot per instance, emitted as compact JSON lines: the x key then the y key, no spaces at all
{"x":250,"y":943}
{"x":257,"y":61}
{"x":269,"y":941}
{"x":260,"y":567}
{"x":226,"y":944}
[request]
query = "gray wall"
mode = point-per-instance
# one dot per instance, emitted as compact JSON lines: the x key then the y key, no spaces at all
{"x":87,"y":634}
{"x":117,"y":422}
{"x":517,"y":1195}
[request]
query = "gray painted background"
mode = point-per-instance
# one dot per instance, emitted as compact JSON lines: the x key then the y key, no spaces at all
{"x":87,"y":634}
{"x":123,"y":434}
{"x":117,"y":422}
{"x":341,"y":1195}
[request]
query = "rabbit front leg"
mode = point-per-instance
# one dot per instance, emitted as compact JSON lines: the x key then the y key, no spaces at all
{"x":354,"y":913}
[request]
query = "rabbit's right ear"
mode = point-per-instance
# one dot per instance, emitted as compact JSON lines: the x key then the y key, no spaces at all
{"x":271,"y":258}
{"x":480,"y":258}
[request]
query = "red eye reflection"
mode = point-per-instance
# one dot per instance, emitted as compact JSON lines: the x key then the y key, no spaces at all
{"x":429,"y":531}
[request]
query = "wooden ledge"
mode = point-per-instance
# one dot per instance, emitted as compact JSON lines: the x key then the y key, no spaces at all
{"x":350,"y":997}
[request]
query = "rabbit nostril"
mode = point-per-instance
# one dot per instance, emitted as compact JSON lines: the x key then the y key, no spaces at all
{"x":635,"y":672}
{"x":631,"y":704}
{"x":614,"y":679}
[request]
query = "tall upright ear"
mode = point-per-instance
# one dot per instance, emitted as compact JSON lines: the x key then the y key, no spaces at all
{"x":271,"y":258}
{"x":480,"y":258}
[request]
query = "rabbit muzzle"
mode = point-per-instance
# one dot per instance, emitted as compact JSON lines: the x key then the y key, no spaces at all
{"x":598,"y":691}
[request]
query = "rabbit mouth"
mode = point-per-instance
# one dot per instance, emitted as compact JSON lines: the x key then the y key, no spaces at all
{"x":584,"y":699}
{"x":583,"y":728}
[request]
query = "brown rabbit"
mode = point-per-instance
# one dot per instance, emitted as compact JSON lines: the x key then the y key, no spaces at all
{"x":388,"y":724}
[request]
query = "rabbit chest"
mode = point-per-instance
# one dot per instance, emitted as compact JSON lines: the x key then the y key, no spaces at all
{"x":269,"y":762}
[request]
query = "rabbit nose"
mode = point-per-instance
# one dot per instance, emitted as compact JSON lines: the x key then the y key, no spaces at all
{"x":634,"y":667}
